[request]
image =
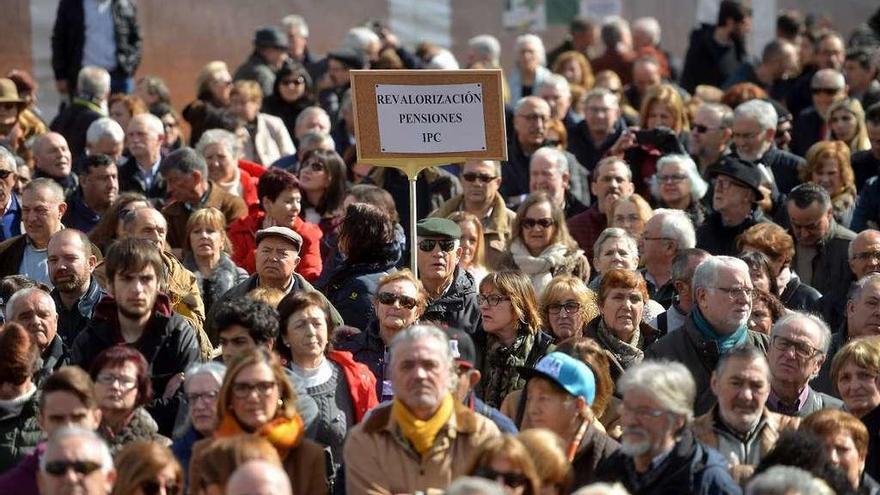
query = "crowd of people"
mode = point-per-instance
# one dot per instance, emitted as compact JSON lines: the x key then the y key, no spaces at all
{"x":671,"y":286}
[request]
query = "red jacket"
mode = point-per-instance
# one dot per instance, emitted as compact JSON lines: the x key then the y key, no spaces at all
{"x":243,"y":236}
{"x":361,"y":383}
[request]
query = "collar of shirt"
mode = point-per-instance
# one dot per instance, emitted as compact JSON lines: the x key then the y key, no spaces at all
{"x":779,"y":405}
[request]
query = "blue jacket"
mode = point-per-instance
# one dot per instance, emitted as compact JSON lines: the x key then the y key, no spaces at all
{"x":182,"y":448}
{"x":368,"y":348}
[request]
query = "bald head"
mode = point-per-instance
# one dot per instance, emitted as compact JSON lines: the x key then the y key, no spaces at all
{"x":864,"y":253}
{"x":258,"y":478}
{"x":52,"y":155}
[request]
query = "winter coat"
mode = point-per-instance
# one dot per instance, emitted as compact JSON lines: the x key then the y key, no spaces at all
{"x":595,"y":447}
{"x":719,"y":239}
{"x":361,"y":383}
{"x":270,"y":142}
{"x":648,"y":333}
{"x":368,"y":348}
{"x":457,"y":307}
{"x":799,"y":296}
{"x":498,"y":364}
{"x":19,"y":430}
{"x":286,"y":111}
{"x":21,"y":479}
{"x":709,"y":62}
{"x":581,"y":145}
{"x":243,"y":236}
{"x":141,"y":426}
{"x":177,"y":213}
{"x":707,"y":430}
{"x":224,"y":277}
{"x":496,"y":227}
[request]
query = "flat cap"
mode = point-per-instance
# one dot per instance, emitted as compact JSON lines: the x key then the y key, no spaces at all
{"x":282,"y":232}
{"x":438,"y":228}
{"x":742,"y":171}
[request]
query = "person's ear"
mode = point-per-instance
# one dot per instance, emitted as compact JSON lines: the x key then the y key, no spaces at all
{"x":91,"y":262}
{"x":566,"y":177}
{"x":713,"y":384}
{"x":850,"y":308}
{"x":474,"y":377}
{"x":197,"y":177}
{"x":458,"y":251}
{"x":62,"y":208}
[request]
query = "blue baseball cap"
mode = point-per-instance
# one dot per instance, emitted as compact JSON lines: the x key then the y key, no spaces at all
{"x":573,"y":375}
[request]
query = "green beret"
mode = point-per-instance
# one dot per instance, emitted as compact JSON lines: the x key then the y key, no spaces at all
{"x":438,"y":228}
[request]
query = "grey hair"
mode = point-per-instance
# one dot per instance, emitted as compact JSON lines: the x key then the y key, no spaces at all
{"x":849,"y":250}
{"x":670,"y":382}
{"x":7,"y":157}
{"x":153,"y":123}
{"x":613,"y":29}
{"x":856,"y":288}
{"x":599,"y":92}
{"x":682,"y":261}
{"x":783,"y":480}
{"x":48,"y":184}
{"x":470,"y":485}
{"x":359,"y":39}
{"x":104,"y":127}
{"x":131,"y":216}
{"x":602,"y":489}
{"x":745,"y":352}
{"x":219,"y":136}
{"x":676,"y":225}
{"x":307,"y":112}
{"x":792,"y":316}
{"x":22,"y":294}
{"x":553,"y":155}
{"x":443,"y":60}
{"x":297,"y":22}
{"x":835,"y":75}
{"x":613,"y":159}
{"x":526,"y":99}
{"x":556,"y":81}
{"x":98,"y":445}
{"x":698,"y":185}
{"x":707,"y":273}
{"x":487,"y":46}
{"x":650,"y":26}
{"x":616,"y":233}
{"x":314,"y":138}
{"x":758,"y":110}
{"x":419,"y":332}
{"x":93,"y":82}
{"x":214,"y":369}
{"x":724,"y":112}
{"x":536,"y":42}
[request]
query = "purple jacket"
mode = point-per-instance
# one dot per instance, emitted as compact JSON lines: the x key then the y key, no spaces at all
{"x":22,"y":478}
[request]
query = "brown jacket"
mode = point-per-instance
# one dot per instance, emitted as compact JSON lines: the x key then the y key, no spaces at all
{"x":378,"y":460}
{"x":496,"y":229}
{"x":178,"y":213}
{"x":773,"y":425}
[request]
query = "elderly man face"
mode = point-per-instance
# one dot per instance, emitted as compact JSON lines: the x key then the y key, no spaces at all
{"x":742,"y":386}
{"x":144,"y":142}
{"x":544,"y":175}
{"x":602,"y":113}
{"x":559,"y":101}
{"x":276,"y":260}
{"x":73,"y":466}
{"x":613,"y":180}
{"x":656,"y":249}
{"x":421,"y":374}
{"x":437,"y":264}
{"x":37,"y":314}
{"x":707,"y":135}
{"x":530,"y":123}
{"x":730,"y":196}
{"x":728,"y":304}
{"x":827,"y":86}
{"x":865,"y":257}
{"x":809,"y":224}
{"x":750,"y":139}
{"x":41,"y":212}
{"x":863,"y":312}
{"x":646,"y":74}
{"x":149,"y":225}
{"x":795,"y":354}
{"x":52,"y":155}
{"x":314,"y":121}
{"x":649,"y":429}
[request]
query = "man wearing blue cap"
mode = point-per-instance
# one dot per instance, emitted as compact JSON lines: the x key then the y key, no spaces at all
{"x":559,"y":393}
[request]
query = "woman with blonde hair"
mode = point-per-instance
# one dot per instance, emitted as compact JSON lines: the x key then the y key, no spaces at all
{"x":567,"y":305}
{"x":548,"y":455}
{"x":213,"y":86}
{"x":846,"y":122}
{"x":855,"y":373}
{"x":206,"y":253}
{"x":473,"y":258}
{"x":575,"y":68}
{"x":147,"y":468}
{"x":506,"y":460}
{"x":630,"y":213}
{"x":828,"y":164}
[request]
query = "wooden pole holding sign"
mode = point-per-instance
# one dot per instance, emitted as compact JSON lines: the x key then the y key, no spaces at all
{"x":415,"y":119}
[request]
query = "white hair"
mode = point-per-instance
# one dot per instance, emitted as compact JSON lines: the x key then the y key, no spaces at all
{"x":316,"y":139}
{"x":214,"y":369}
{"x":616,"y":233}
{"x":307,"y":112}
{"x":443,"y":60}
{"x":97,"y":445}
{"x":669,"y":382}
{"x":784,"y":480}
{"x":104,"y":127}
{"x":420,"y":332}
{"x":758,"y":110}
{"x":536,"y":42}
{"x":649,"y":26}
{"x":48,"y":184}
{"x":7,"y":157}
{"x":470,"y":485}
{"x":359,"y":39}
{"x":93,"y":82}
{"x":708,"y":272}
{"x":602,"y":489}
{"x":219,"y":136}
{"x":556,"y":81}
{"x":698,"y":185}
{"x":153,"y":123}
{"x":487,"y":46}
{"x":676,"y":225}
{"x":296,"y":22}
{"x":793,"y":316}
{"x":553,"y":155}
{"x":11,"y":313}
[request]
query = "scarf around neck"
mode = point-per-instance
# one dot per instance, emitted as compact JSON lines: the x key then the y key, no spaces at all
{"x":539,"y":268}
{"x":421,"y":433}
{"x":724,"y":342}
{"x":283,"y":433}
{"x":628,"y":353}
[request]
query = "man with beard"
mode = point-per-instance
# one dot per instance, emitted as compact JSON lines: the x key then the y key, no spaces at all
{"x":42,"y":206}
{"x":137,"y":314}
{"x":531,"y":116}
{"x":452,"y":292}
{"x":76,"y":291}
{"x":715,"y":51}
{"x":10,"y":203}
{"x":754,"y":130}
{"x":864,"y":253}
{"x":717,"y":323}
{"x":740,"y":426}
{"x":799,"y":346}
{"x":53,"y":160}
{"x":34,"y":309}
{"x":98,"y":187}
{"x":613,"y":180}
{"x":658,"y":452}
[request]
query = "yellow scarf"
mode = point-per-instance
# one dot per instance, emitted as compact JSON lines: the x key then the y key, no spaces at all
{"x":421,"y":434}
{"x":283,"y":433}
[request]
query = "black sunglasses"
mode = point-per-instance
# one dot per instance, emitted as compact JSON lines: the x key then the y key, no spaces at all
{"x":473,"y":177}
{"x":825,"y":91}
{"x":388,"y":299}
{"x":152,"y":487}
{"x":315,"y":166}
{"x":530,"y":223}
{"x":427,"y":245}
{"x":59,"y":468}
{"x":5,"y":173}
{"x":513,"y":480}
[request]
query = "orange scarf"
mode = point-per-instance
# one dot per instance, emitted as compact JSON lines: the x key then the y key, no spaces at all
{"x":284,"y":434}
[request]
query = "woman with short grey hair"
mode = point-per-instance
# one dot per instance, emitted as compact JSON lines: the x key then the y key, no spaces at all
{"x":530,"y":70}
{"x":678,"y":185}
{"x":201,"y":386}
{"x":222,"y":151}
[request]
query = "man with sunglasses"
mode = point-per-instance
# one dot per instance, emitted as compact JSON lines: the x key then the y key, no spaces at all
{"x":826,"y":87}
{"x":10,"y":203}
{"x":710,"y":135}
{"x":76,"y":461}
{"x":799,"y":345}
{"x":452,"y":293}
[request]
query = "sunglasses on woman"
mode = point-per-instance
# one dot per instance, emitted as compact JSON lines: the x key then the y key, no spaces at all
{"x":388,"y":299}
{"x":531,"y":223}
{"x":315,"y":166}
{"x":153,"y":487}
{"x":513,"y":480}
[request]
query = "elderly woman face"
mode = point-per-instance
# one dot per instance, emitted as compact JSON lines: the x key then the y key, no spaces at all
{"x":201,"y":396}
{"x":565,"y":315}
{"x":760,"y":320}
{"x":255,"y":396}
{"x":627,"y":217}
{"x":538,"y":227}
{"x":396,"y":306}
{"x":528,"y":57}
{"x":615,"y":253}
{"x":220,"y":86}
{"x":221,"y":162}
{"x":622,"y":311}
{"x":674,"y":184}
{"x":843,"y":124}
{"x":827,"y":175}
{"x":206,"y":241}
{"x":659,"y":115}
{"x":116,"y":387}
{"x":306,"y":334}
{"x":859,"y":388}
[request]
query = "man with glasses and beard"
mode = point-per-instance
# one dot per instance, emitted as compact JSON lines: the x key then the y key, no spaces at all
{"x":658,"y":452}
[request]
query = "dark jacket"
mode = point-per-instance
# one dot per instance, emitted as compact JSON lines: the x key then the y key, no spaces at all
{"x":73,"y":122}
{"x":815,"y":401}
{"x":11,"y":254}
{"x":182,"y":448}
{"x":707,"y":61}
{"x":168,"y":343}
{"x":866,"y":214}
{"x":224,"y":277}
{"x":130,"y":180}
{"x":19,"y":431}
{"x":687,"y":346}
{"x":872,"y":460}
{"x":177,"y":213}
{"x":615,"y":367}
{"x":865,"y":165}
{"x":595,"y":448}
{"x":831,"y":272}
{"x":690,"y":468}
{"x":719,"y":239}
{"x":799,"y":296}
{"x":434,"y":186}
{"x":53,"y":357}
{"x":785,"y":167}
{"x":515,"y":173}
{"x":457,"y":307}
{"x":586,"y":227}
{"x":255,"y":68}
{"x":69,"y":36}
{"x":581,"y":145}
{"x":368,"y":348}
{"x":72,"y":321}
{"x":286,"y":111}
{"x":807,"y":129}
{"x":78,"y":215}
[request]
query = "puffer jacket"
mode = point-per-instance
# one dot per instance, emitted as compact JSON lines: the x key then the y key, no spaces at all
{"x":457,"y":308}
{"x":19,"y":430}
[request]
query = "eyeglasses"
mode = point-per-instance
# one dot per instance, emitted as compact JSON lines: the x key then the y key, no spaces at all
{"x":472,"y":177}
{"x":490,"y":299}
{"x":531,"y":223}
{"x":569,"y":307}
{"x":825,"y":91}
{"x":801,"y":349}
{"x":745,"y":135}
{"x":867,"y":255}
{"x":5,"y":173}
{"x":388,"y":299}
{"x":641,"y":412}
{"x":702,"y":129}
{"x":205,"y":396}
{"x":126,"y":382}
{"x":152,"y":487}
{"x":734,"y":292}
{"x":315,"y":166}
{"x":60,"y":468}
{"x":513,"y":480}
{"x":243,"y":390}
{"x":293,"y":82}
{"x":671,"y":178}
{"x":427,"y":245}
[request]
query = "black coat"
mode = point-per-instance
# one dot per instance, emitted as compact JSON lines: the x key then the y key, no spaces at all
{"x":707,"y":61}
{"x":806,"y":131}
{"x":799,"y":296}
{"x":719,"y":239}
{"x":872,"y":460}
{"x":73,"y":122}
{"x":458,"y":307}
{"x":515,"y":173}
{"x":865,"y":165}
{"x":130,"y":180}
{"x":72,"y":321}
{"x":785,"y":167}
{"x":582,"y":147}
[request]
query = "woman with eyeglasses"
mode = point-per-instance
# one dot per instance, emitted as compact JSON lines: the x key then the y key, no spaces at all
{"x":147,"y":468}
{"x":828,"y":164}
{"x":540,"y":245}
{"x":620,"y":329}
{"x":322,"y":178}
{"x":513,"y":335}
{"x":472,"y":250}
{"x":268,"y":138}
{"x":506,"y":461}
{"x":678,"y":185}
{"x":257,"y":399}
{"x":567,"y":305}
{"x":292,"y":94}
{"x":343,"y":388}
{"x":369,"y":249}
{"x":201,"y":387}
{"x":122,"y":389}
{"x":846,"y":122}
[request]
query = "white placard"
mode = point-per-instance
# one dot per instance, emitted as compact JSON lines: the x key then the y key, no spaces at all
{"x":445,"y":118}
